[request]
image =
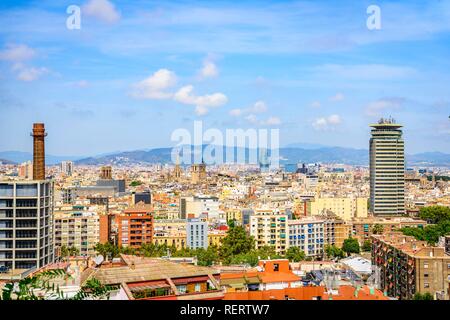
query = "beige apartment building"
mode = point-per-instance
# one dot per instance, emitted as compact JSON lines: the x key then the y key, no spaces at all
{"x":269,"y":228}
{"x":408,"y":266}
{"x":79,"y":228}
{"x":344,"y":208}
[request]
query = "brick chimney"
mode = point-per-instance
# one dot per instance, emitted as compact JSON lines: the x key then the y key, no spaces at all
{"x":38,"y":135}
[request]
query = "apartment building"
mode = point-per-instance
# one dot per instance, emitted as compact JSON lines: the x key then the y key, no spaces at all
{"x":335,"y":231}
{"x":344,"y":208}
{"x":26,"y":224}
{"x":270,"y":228}
{"x":78,"y":227}
{"x":408,"y":266}
{"x":362,"y":228}
{"x":197,"y":233}
{"x":308,"y":235}
{"x":194,"y":207}
{"x":135,"y":226}
{"x":234,"y":215}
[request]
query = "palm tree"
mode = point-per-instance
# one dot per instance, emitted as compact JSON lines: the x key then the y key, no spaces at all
{"x":43,"y":284}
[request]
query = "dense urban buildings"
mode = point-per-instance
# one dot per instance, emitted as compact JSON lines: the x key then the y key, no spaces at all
{"x":408,"y":266}
{"x":237,"y":232}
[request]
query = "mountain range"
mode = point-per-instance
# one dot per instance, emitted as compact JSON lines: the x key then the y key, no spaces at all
{"x":288,"y":155}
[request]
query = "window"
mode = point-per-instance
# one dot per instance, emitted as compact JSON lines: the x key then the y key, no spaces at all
{"x":426,"y":285}
{"x":276,"y":267}
{"x":197,"y":287}
{"x":181,"y":289}
{"x":425,"y":265}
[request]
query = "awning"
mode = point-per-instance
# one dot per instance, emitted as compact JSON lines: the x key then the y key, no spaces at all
{"x":190,"y":279}
{"x":150,"y":286}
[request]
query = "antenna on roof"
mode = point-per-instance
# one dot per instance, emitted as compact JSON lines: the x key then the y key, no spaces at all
{"x":98,"y":260}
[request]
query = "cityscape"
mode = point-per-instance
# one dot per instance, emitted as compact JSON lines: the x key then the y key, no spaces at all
{"x":236,"y":208}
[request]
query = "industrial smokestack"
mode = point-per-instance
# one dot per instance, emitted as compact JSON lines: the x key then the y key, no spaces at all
{"x":106,"y":173}
{"x":38,"y":135}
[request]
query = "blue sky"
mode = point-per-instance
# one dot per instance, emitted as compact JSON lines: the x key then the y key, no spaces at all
{"x":138,"y":70}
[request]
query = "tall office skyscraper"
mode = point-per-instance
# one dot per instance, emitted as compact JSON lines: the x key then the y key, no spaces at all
{"x":26,"y":216}
{"x":387,"y":168}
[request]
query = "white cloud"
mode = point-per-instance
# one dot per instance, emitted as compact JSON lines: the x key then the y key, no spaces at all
{"x":272,"y":121}
{"x":316,"y":104}
{"x":82,"y":84}
{"x":236,"y":112}
{"x":378,"y":107}
{"x":326,"y":123}
{"x":155,"y":86}
{"x":209,"y":69}
{"x":337,"y":97}
{"x":103,"y":10}
{"x":334,"y":119}
{"x":251,"y":118}
{"x":258,"y":107}
{"x":202,"y":104}
{"x":319,"y":123}
{"x":250,"y":114}
{"x":17,"y":53}
{"x":28,"y":74}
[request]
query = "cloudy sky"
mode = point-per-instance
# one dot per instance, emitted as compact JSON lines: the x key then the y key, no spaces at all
{"x":137,"y":70}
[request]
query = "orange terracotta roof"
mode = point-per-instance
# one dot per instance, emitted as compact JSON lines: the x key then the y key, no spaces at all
{"x":278,"y":277}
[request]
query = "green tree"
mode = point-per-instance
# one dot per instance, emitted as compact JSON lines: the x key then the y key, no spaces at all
{"x":231,"y":223}
{"x":135,"y":183}
{"x":107,"y":250}
{"x":377,"y":229}
{"x":237,"y":241}
{"x":41,"y":286}
{"x":294,"y":254}
{"x":435,"y":214}
{"x":350,"y":245}
{"x":333,"y":251}
{"x":425,"y":296}
{"x":207,"y":257}
{"x":367,"y":246}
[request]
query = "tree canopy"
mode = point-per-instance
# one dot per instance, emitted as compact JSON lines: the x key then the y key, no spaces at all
{"x":439,"y":216}
{"x":435,"y":214}
{"x":294,"y":254}
{"x":367,"y":246}
{"x":377,"y":229}
{"x":236,"y":242}
{"x":351,"y":245}
{"x":333,"y":251}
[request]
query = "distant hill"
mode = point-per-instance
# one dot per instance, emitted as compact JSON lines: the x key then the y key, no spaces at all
{"x":4,"y":161}
{"x":289,"y":155}
{"x":19,"y":157}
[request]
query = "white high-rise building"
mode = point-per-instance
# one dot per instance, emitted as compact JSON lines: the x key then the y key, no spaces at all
{"x":387,"y":169}
{"x":197,"y":233}
{"x":66,"y":167}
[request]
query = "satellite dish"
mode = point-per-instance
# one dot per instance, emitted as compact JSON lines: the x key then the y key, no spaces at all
{"x":98,"y":259}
